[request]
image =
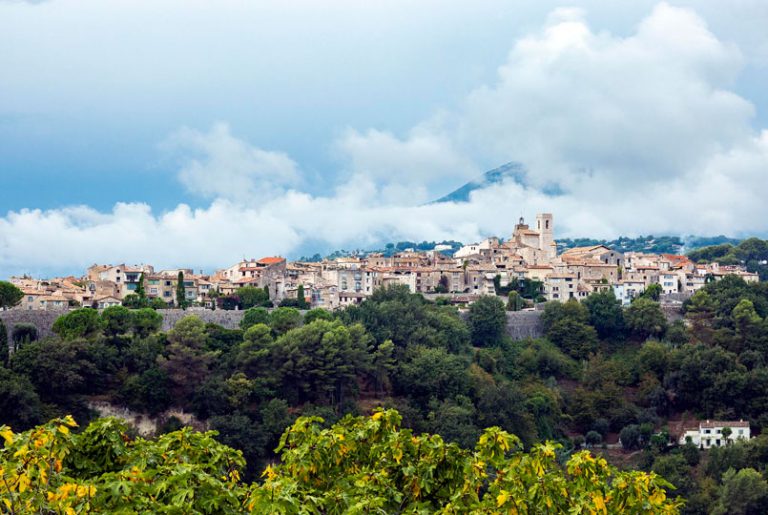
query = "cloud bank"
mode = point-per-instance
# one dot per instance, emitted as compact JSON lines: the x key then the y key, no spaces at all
{"x":638,"y":134}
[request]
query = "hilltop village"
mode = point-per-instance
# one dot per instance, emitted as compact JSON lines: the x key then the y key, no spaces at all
{"x":528,"y":262}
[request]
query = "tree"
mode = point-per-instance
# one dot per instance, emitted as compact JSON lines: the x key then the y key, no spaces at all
{"x":186,"y":361}
{"x":181,"y":472}
{"x":20,"y":406}
{"x":361,"y":464}
{"x":300,"y":297}
{"x":747,"y":321}
{"x":377,"y":456}
{"x":742,"y":493}
{"x":23,"y":333}
{"x":320,"y":362}
{"x":652,"y":292}
{"x":158,"y":303}
{"x":317,"y":314}
{"x":117,"y":320}
{"x":675,"y":469}
{"x":80,"y":323}
{"x":645,"y":319}
{"x":605,"y":314}
{"x":282,"y":320}
{"x":426,"y":373}
{"x":149,"y":391}
{"x":631,"y":437}
{"x":443,"y":284}
{"x":145,"y":321}
{"x":4,"y":348}
{"x":10,"y":295}
{"x":555,"y":311}
{"x":515,"y":302}
{"x":140,"y":292}
{"x":576,"y":339}
{"x":251,"y":296}
{"x":487,"y":321}
{"x":133,"y":301}
{"x":593,"y":438}
{"x":252,"y":356}
{"x":253,"y":316}
{"x":181,"y":292}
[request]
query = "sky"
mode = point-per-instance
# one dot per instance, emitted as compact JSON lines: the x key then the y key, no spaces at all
{"x":189,"y":133}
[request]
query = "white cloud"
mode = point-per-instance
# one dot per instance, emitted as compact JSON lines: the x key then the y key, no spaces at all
{"x":218,"y":165}
{"x":409,"y":169}
{"x":643,"y":134}
{"x":575,"y":105}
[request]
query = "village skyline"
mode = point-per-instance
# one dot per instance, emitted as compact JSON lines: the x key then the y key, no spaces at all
{"x":528,"y":263}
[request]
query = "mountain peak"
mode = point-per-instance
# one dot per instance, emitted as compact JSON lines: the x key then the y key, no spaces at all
{"x":512,"y":170}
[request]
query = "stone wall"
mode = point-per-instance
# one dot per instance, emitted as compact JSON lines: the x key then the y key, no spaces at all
{"x":43,"y":320}
{"x":520,"y":324}
{"x":524,"y":324}
{"x":228,"y":319}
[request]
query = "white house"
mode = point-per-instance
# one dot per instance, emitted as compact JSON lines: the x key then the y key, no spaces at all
{"x":710,"y":433}
{"x":626,"y":289}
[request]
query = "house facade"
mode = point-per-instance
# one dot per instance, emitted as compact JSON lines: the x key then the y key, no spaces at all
{"x":716,"y":433}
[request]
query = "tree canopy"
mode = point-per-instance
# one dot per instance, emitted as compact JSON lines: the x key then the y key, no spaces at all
{"x":360,"y":464}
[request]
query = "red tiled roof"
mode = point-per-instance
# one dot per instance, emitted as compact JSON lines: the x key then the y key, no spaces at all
{"x":271,"y":260}
{"x":724,"y":423}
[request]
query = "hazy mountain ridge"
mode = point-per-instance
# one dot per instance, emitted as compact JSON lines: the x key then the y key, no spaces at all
{"x":511,"y":171}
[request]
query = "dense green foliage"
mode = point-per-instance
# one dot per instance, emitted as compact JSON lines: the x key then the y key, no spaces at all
{"x":653,"y":244}
{"x":752,"y":253}
{"x":4,"y":350}
{"x":602,"y":374}
{"x":10,"y":295}
{"x":359,"y":465}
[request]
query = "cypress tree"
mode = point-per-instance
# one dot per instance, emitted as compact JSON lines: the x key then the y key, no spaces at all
{"x":3,"y":344}
{"x":181,"y":297}
{"x":140,"y":290}
{"x":302,"y":301}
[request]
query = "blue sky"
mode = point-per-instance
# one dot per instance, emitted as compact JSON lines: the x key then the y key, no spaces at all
{"x":126,"y":127}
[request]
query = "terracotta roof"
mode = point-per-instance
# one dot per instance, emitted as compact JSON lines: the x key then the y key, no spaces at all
{"x":723,"y":423}
{"x":271,"y":260}
{"x":245,"y":280}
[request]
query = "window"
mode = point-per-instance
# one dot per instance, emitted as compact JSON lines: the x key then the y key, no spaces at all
{"x":706,"y":431}
{"x":166,"y":294}
{"x":153,"y":291}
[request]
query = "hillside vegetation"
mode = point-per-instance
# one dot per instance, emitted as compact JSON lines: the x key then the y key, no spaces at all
{"x":601,"y":373}
{"x":752,"y":253}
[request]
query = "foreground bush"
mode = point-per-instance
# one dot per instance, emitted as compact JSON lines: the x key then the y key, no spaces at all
{"x":360,"y":465}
